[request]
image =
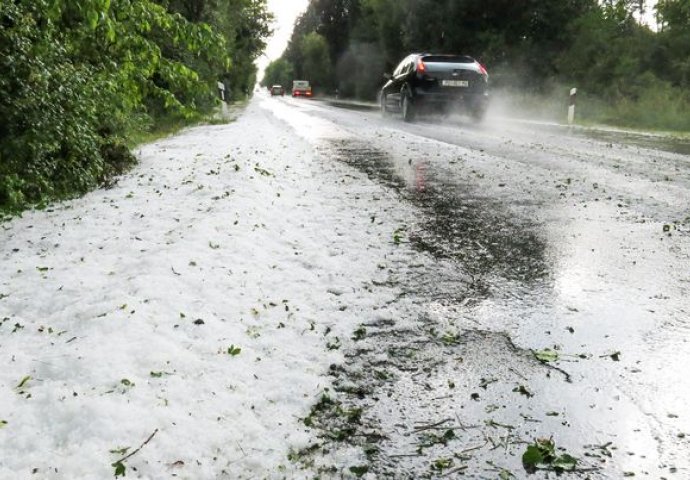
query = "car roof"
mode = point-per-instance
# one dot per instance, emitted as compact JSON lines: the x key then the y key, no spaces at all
{"x":429,"y":54}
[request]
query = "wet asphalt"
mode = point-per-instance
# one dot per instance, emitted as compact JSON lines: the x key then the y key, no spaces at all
{"x":552,"y":303}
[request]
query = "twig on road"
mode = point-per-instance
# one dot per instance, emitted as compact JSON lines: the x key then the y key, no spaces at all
{"x":432,"y":426}
{"x":140,"y":447}
{"x":474,"y":448}
{"x":455,"y":470}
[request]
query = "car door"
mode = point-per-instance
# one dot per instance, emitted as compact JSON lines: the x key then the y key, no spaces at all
{"x":394,"y":85}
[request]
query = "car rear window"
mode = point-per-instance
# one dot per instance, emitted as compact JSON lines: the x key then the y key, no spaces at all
{"x":448,"y":59}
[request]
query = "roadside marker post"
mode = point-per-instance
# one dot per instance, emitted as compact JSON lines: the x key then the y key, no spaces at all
{"x":571,"y":106}
{"x":221,"y":90}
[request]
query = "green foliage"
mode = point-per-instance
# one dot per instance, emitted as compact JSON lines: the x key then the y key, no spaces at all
{"x":77,"y":78}
{"x":359,"y":333}
{"x":316,"y":66}
{"x":546,"y":355}
{"x":120,"y":469}
{"x":279,"y":72}
{"x":234,"y":351}
{"x":244,"y":25}
{"x":542,"y":455}
{"x":359,"y":470}
{"x":441,"y":464}
{"x":120,"y":451}
{"x":23,"y":381}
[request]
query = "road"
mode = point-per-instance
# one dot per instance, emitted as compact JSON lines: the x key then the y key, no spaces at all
{"x":531,"y":241}
{"x":318,"y":291}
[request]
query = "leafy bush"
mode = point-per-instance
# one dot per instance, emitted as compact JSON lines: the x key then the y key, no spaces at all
{"x":77,"y":77}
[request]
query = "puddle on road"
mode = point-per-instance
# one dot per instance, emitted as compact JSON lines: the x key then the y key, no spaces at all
{"x":424,"y":399}
{"x":457,"y":222}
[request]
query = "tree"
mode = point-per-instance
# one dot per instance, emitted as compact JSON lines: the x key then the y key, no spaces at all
{"x":674,"y":17}
{"x":316,"y":65}
{"x":279,"y":72}
{"x":244,"y":24}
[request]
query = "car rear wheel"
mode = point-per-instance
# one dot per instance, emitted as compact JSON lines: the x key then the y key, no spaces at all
{"x":407,"y":108}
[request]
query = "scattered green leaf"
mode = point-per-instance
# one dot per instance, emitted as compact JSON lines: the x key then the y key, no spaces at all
{"x":359,"y":471}
{"x":119,"y":469}
{"x":485,"y":382}
{"x":22,"y":383}
{"x":522,"y":390}
{"x":359,"y":334}
{"x":542,"y":455}
{"x":234,"y":351}
{"x":441,"y":464}
{"x":546,"y":355}
{"x":120,"y":451}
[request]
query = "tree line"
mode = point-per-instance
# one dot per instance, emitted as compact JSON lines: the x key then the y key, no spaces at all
{"x":78,"y":78}
{"x":599,"y":46}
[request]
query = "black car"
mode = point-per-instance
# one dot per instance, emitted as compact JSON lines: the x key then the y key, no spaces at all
{"x":444,"y":83}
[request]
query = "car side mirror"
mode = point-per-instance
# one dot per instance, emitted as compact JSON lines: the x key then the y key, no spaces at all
{"x":387,"y":76}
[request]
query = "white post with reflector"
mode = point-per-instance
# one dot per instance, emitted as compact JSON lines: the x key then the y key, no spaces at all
{"x":571,"y":106}
{"x":221,"y":89}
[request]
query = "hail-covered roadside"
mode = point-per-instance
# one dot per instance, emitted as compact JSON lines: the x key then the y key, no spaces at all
{"x":201,"y":298}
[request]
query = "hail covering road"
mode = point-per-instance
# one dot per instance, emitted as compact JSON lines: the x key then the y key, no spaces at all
{"x":411,"y":301}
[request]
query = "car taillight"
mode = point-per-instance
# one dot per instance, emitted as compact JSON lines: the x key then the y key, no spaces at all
{"x":421,"y":67}
{"x":482,"y":70}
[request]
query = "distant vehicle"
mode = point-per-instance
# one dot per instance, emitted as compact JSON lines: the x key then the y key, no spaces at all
{"x":436,"y":82}
{"x":277,"y":90}
{"x":301,"y":88}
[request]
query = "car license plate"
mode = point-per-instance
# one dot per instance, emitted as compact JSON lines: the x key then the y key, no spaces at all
{"x":456,"y":83}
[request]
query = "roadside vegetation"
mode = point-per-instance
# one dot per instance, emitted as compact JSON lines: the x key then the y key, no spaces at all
{"x":81,"y":80}
{"x":627,"y":73}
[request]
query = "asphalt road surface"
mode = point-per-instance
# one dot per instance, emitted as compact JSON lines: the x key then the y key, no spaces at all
{"x":551,"y":301}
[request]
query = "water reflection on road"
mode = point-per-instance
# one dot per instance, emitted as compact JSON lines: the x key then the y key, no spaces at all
{"x":529,"y":241}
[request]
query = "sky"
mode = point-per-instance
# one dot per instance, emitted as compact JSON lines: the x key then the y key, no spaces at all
{"x":285,"y":12}
{"x":649,"y":15}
